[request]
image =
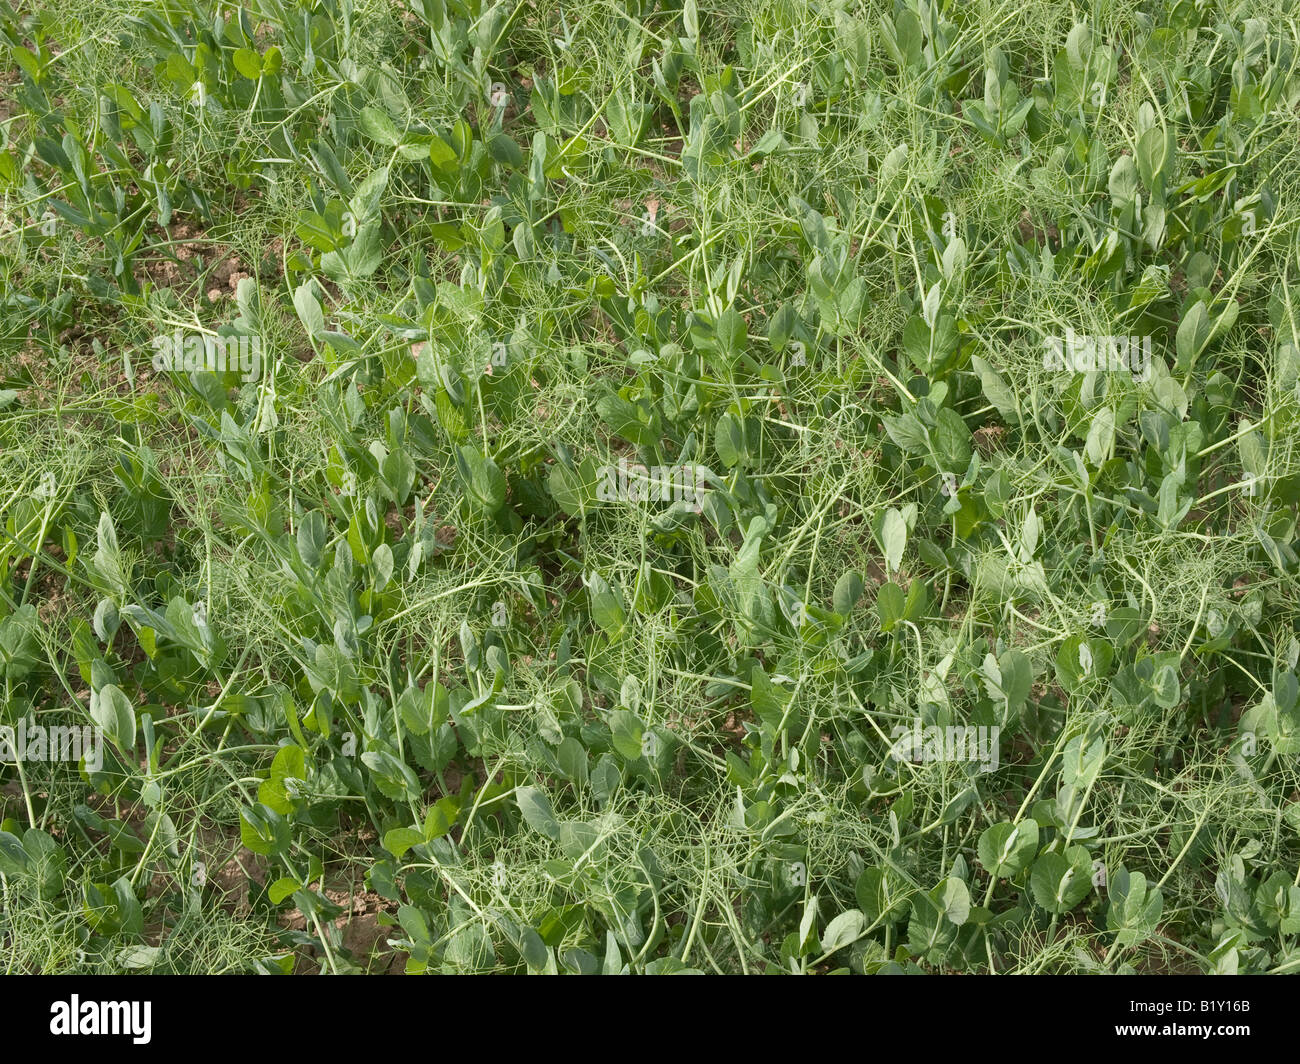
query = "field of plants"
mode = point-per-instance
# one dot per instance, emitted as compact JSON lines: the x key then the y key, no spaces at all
{"x":782,"y":486}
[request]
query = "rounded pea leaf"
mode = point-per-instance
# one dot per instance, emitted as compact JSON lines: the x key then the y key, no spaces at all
{"x":997,"y":390}
{"x":606,"y":604}
{"x":309,"y":309}
{"x":893,"y":538}
{"x":378,"y":126}
{"x":533,"y":950}
{"x":282,"y":888}
{"x":1192,"y":333}
{"x":1006,"y":848}
{"x":484,"y":482}
{"x":13,"y":858}
{"x":952,"y":440}
{"x":1165,"y":691}
{"x":952,"y":898}
{"x":729,"y":438}
{"x":626,"y":728}
{"x":1059,"y":882}
{"x":843,"y":930}
{"x":1123,"y":181}
{"x":382,"y":561}
{"x":248,"y":63}
{"x":877,"y":896}
{"x":536,"y":810}
{"x":572,"y":758}
{"x":1017,"y":676}
{"x":1135,"y":907}
{"x":263,"y":830}
{"x":112,"y":711}
{"x":1080,"y":661}
{"x":890,"y":604}
{"x":399,"y":840}
{"x":847,"y":592}
{"x":311,"y":539}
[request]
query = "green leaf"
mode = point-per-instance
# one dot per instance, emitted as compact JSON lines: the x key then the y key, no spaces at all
{"x":572,"y":758}
{"x":843,"y":930}
{"x":484,"y":482}
{"x":1172,"y":507}
{"x":566,"y":487}
{"x":607,"y":608}
{"x":1081,"y":661}
{"x":997,"y":390}
{"x":907,"y":432}
{"x":364,"y":203}
{"x":282,"y":888}
{"x":263,"y":830}
{"x":441,"y":818}
{"x":917,"y":602}
{"x":732,"y":335}
{"x":729,"y":439}
{"x":309,"y":310}
{"x":536,"y":809}
{"x":13,"y":858}
{"x":1101,"y":436}
{"x":130,"y":913}
{"x":1123,"y":182}
{"x":626,"y":729}
{"x":952,"y":898}
{"x":930,"y":348}
{"x":1081,"y":764}
{"x":952,"y":441}
{"x":112,"y":711}
{"x":399,"y":840}
{"x":394,"y":778}
{"x":1165,"y":690}
{"x":1193,"y":331}
{"x":1135,"y":907}
{"x":1058,"y":884}
{"x":442,"y":156}
{"x":311,"y":539}
{"x":379,"y":127}
{"x":382,"y":563}
{"x":506,"y":151}
{"x":877,"y":895}
{"x":1152,"y":157}
{"x":909,"y":37}
{"x":768,"y":699}
{"x":691,"y":20}
{"x":890,"y":604}
{"x":1005,"y":849}
{"x":1078,"y":45}
{"x":1017,"y":677}
{"x":248,"y":63}
{"x":847,"y":592}
{"x":893,"y":538}
{"x":891,"y":166}
{"x":772,"y":142}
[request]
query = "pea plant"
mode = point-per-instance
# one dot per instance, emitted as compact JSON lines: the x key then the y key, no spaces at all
{"x":650,"y":487}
